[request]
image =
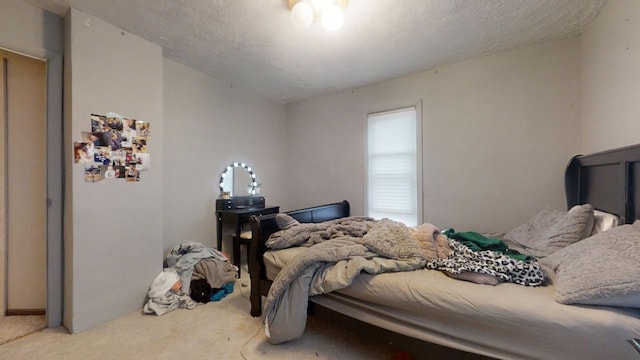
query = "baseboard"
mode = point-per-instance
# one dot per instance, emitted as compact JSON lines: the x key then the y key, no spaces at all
{"x":15,"y":312}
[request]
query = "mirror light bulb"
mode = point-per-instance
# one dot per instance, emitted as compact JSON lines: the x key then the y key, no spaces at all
{"x":332,"y":18}
{"x":321,"y":5}
{"x":301,"y":15}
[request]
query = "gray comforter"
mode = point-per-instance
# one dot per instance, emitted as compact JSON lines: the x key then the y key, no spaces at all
{"x":339,"y":250}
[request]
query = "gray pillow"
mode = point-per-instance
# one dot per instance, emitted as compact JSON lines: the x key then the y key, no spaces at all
{"x":551,"y":230}
{"x":600,"y":270}
{"x":285,"y":221}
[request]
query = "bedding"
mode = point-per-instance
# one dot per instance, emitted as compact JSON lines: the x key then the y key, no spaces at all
{"x":600,"y":270}
{"x":508,"y":321}
{"x":551,"y":230}
{"x":285,"y":221}
{"x":463,"y":260}
{"x":469,"y":316}
{"x":338,"y":251}
{"x":341,"y":249}
{"x":587,"y":308}
{"x":603,"y":221}
{"x":333,"y":267}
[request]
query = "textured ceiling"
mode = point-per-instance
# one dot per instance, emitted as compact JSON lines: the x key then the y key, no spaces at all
{"x":252,"y":45}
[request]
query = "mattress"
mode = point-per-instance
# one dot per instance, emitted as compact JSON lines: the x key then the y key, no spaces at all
{"x":505,"y":321}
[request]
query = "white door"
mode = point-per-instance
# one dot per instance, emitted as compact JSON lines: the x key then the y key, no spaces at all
{"x":24,"y":180}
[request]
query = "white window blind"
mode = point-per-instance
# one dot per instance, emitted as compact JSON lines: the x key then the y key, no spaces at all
{"x":392,"y":165}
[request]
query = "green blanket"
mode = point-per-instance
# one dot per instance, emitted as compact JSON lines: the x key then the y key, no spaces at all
{"x":478,"y":242}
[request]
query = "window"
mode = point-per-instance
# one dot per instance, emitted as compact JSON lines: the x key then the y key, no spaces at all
{"x":393,"y":166}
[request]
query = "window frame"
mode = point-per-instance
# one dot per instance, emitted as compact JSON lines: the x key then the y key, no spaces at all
{"x":419,"y":156}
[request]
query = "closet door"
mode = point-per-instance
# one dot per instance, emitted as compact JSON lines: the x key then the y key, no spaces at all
{"x":25,"y":176}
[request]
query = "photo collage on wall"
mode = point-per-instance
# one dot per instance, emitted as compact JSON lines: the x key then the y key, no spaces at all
{"x":115,"y":148}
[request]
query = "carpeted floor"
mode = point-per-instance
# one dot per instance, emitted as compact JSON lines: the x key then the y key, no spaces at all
{"x":217,"y":330}
{"x":15,"y":327}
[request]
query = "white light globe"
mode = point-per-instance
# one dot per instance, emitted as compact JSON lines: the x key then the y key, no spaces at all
{"x":321,"y":5}
{"x":332,"y":18}
{"x":301,"y":15}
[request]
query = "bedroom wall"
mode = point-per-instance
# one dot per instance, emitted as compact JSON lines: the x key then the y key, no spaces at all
{"x":610,"y":74}
{"x":113,"y":229}
{"x":29,"y":30}
{"x":211,"y":124}
{"x":120,"y":230}
{"x":498,"y":132}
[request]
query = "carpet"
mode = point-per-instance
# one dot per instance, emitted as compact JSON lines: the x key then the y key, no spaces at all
{"x":321,"y":340}
{"x":15,"y":327}
{"x":217,"y":330}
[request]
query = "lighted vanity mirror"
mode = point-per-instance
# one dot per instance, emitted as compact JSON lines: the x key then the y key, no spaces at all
{"x":238,"y":179}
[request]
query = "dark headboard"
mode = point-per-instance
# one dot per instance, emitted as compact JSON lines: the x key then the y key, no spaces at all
{"x":607,"y":180}
{"x":321,"y":213}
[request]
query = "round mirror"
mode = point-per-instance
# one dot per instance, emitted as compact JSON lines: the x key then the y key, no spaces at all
{"x":238,"y":179}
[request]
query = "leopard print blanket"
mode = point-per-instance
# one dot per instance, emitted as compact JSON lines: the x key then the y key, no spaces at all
{"x":503,"y":267}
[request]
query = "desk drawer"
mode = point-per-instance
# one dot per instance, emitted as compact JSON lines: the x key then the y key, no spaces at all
{"x":259,"y":212}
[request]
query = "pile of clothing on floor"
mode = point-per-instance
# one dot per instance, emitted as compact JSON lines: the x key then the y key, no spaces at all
{"x":193,"y":274}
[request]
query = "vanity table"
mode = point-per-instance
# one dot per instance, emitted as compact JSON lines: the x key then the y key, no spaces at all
{"x":235,"y":212}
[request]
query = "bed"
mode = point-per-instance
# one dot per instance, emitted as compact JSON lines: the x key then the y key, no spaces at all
{"x":425,"y":311}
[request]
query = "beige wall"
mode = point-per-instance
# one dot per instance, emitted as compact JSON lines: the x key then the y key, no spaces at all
{"x":498,"y":132}
{"x":209,"y":126}
{"x":610,"y":78}
{"x":113,"y":229}
{"x":26,"y":186}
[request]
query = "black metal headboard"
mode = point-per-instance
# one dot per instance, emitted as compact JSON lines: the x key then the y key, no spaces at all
{"x":607,"y":180}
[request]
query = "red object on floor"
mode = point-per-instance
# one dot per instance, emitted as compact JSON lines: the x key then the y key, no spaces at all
{"x":402,"y":355}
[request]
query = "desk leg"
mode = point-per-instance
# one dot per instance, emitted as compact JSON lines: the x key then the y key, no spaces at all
{"x":219,"y":232}
{"x":236,"y":247}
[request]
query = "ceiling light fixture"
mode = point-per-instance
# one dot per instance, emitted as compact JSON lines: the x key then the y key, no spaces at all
{"x":329,"y":12}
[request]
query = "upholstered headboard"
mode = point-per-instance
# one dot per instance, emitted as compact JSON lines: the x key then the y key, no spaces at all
{"x":608,"y":180}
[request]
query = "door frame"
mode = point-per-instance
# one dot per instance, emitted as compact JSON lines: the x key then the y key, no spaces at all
{"x":55,"y":186}
{"x":55,"y":181}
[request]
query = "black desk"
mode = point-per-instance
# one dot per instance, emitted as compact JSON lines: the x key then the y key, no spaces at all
{"x":235,"y":218}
